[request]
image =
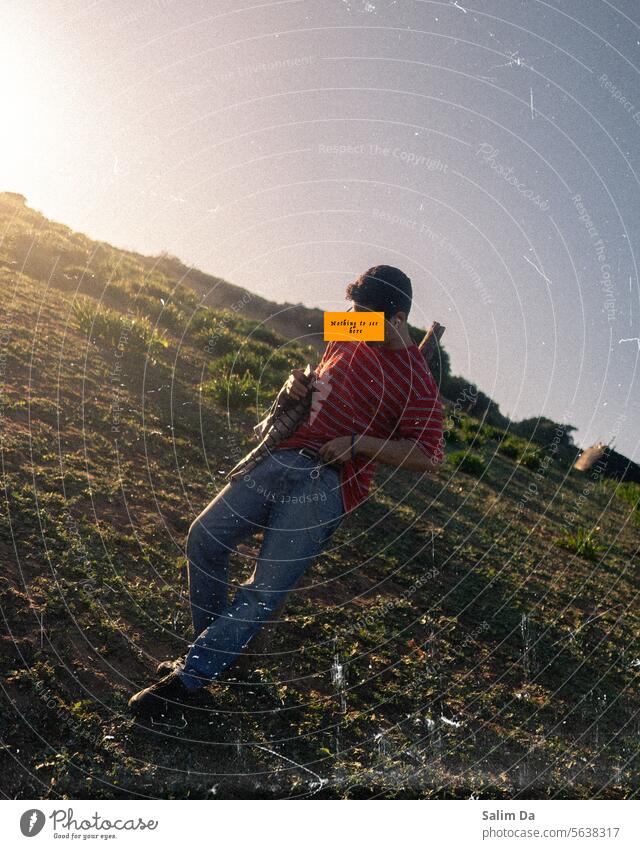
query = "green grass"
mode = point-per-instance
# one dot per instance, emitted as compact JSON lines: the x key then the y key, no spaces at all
{"x":129,"y":334}
{"x":235,"y":391}
{"x":583,"y":542}
{"x":470,"y":464}
{"x":511,"y":446}
{"x":516,"y":448}
{"x":626,"y":491}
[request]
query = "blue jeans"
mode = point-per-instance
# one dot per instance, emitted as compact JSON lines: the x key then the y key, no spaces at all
{"x":298,"y":504}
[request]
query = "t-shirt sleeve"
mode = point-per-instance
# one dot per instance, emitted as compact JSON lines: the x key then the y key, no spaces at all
{"x":421,"y":419}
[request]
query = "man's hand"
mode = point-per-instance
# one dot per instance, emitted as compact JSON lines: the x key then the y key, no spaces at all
{"x":294,"y":388}
{"x":337,"y":451}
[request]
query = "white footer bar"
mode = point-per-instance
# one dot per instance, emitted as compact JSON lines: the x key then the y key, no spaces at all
{"x":315,"y":824}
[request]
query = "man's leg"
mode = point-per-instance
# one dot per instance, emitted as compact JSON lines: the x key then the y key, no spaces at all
{"x":239,"y":511}
{"x":301,"y":522}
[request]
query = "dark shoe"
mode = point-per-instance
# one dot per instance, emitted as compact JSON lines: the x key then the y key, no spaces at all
{"x":162,"y":701}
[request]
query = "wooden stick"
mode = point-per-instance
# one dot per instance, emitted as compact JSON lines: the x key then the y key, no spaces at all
{"x":431,"y":341}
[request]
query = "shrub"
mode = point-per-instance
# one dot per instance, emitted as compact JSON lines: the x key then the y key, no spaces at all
{"x":185,"y":296}
{"x":245,"y":327}
{"x":134,"y":335}
{"x":582,"y":542}
{"x":494,"y":432}
{"x":229,"y":319}
{"x":236,"y":362}
{"x":471,"y":464}
{"x":233,"y":391}
{"x":629,"y":492}
{"x":530,"y":459}
{"x":626,"y":491}
{"x":157,"y":288}
{"x":208,"y":329}
{"x":454,"y":435}
{"x":173,"y":318}
{"x":263,"y":334}
{"x":510,"y":447}
{"x":281,"y":362}
{"x":269,"y":368}
{"x":148,"y":305}
{"x":473,"y":432}
{"x":219,"y":341}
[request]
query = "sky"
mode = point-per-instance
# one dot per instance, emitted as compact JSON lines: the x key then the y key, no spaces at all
{"x":488,"y":149}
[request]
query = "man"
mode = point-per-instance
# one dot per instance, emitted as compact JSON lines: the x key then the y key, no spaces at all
{"x":373,"y":402}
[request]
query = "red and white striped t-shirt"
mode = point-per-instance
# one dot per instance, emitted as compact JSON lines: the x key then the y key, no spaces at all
{"x":375,"y":391}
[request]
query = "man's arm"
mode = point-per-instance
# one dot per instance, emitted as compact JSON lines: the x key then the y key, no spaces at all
{"x":401,"y":453}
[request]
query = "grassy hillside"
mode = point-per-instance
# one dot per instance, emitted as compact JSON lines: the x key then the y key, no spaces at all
{"x":72,"y":262}
{"x":474,"y":633}
{"x":67,"y":260}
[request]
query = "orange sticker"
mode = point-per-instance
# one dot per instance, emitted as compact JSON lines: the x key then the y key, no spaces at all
{"x":354,"y":326}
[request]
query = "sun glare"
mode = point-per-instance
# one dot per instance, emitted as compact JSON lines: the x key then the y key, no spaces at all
{"x":25,"y":100}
